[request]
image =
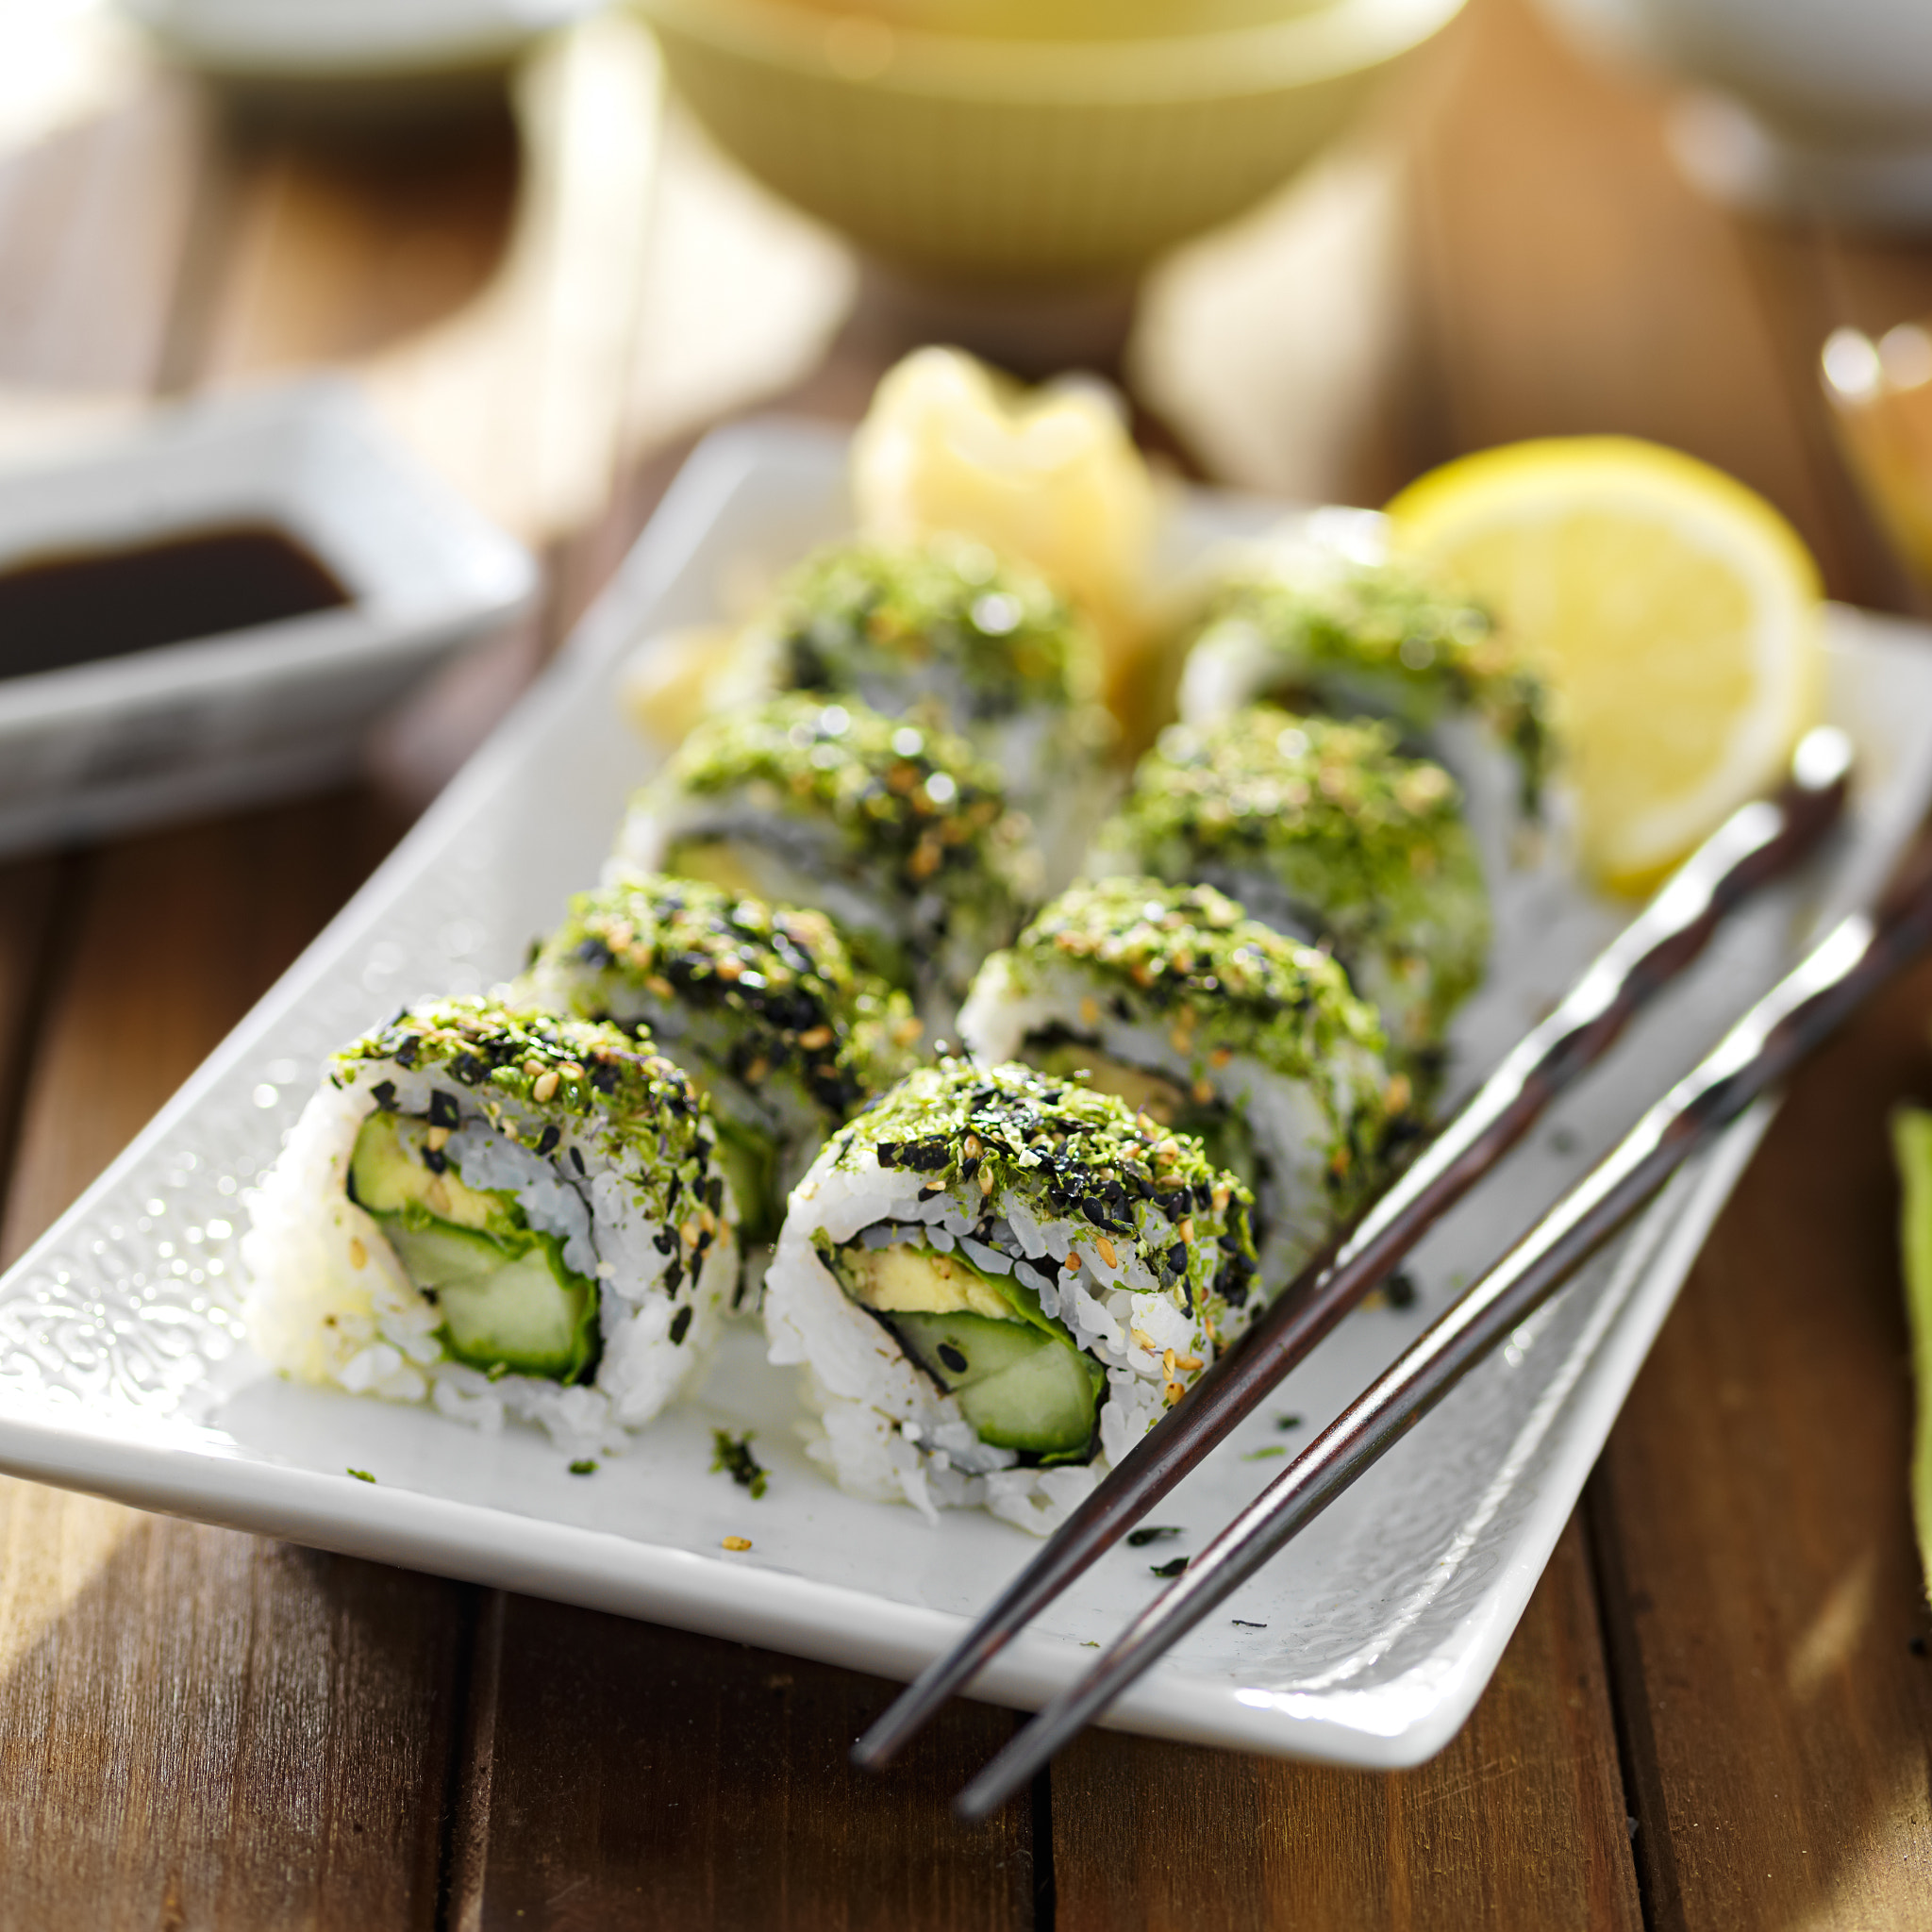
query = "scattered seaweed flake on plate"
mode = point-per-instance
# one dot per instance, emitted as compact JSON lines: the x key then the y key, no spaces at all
{"x":1140,"y":1539}
{"x":904,"y":836}
{"x":999,"y":1281}
{"x":583,"y":1465}
{"x":1171,"y":1567}
{"x":1171,"y":997}
{"x":361,"y":1475}
{"x":1266,"y":1453}
{"x":1321,"y":830}
{"x":731,"y":1455}
{"x":1288,"y":1422}
{"x":501,"y":1213}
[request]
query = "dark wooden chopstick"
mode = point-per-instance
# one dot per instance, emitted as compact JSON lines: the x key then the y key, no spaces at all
{"x":1756,"y":846}
{"x":1803,"y":1011}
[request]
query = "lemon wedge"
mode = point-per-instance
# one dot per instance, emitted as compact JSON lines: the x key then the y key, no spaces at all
{"x":1673,"y":611}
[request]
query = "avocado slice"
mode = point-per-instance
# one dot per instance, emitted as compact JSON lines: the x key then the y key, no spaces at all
{"x":389,"y":1172}
{"x":507,"y":1299}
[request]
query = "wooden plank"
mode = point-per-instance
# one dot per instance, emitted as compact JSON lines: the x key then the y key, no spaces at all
{"x":651,"y":1779}
{"x":1518,"y":1824}
{"x":1764,"y":1589}
{"x":171,"y":939}
{"x":198,"y":1727}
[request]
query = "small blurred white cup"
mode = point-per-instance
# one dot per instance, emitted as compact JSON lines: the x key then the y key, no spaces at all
{"x":1819,"y":106}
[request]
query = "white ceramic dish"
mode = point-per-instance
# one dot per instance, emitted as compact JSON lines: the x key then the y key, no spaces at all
{"x":348,"y":40}
{"x":269,"y":711}
{"x":122,"y":1370}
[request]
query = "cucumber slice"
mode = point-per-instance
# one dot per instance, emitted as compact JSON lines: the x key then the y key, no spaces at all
{"x":1043,"y":1404}
{"x":519,"y":1311}
{"x":1020,"y":1387}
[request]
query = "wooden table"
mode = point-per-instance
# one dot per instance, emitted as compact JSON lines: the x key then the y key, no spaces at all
{"x":1718,"y":1708}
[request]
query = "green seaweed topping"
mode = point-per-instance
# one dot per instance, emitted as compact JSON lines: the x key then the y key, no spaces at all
{"x":1191,"y":952}
{"x":916,"y":804}
{"x":1269,"y":778}
{"x":1390,"y":628}
{"x":1368,"y":848}
{"x":796,"y":1003}
{"x":1188,"y":959}
{"x":946,"y":612}
{"x":640,"y":1109}
{"x":1070,"y":1152}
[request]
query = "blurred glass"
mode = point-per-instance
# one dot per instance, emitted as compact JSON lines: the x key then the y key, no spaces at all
{"x":1880,"y":391}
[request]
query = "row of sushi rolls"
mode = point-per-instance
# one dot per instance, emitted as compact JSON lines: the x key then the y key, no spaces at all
{"x":1004,"y":1076}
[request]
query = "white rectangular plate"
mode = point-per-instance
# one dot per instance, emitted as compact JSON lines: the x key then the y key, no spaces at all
{"x":122,"y":1369}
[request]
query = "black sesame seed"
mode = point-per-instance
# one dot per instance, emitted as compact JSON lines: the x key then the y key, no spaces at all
{"x":953,"y":1358}
{"x":547,"y":1140}
{"x":1177,"y":1258}
{"x":680,"y":1326}
{"x":577,"y":1159}
{"x":663,"y":1241}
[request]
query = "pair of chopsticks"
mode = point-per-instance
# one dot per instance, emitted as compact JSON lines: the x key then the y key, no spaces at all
{"x":1758,"y":844}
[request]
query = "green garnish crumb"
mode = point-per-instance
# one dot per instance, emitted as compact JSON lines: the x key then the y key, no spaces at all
{"x":1426,"y":649}
{"x":1169,"y":1569}
{"x":1266,"y":1453}
{"x":1140,"y":1539}
{"x":731,"y":1455}
{"x":1288,"y":1422}
{"x":585,"y":1467}
{"x":361,"y":1475}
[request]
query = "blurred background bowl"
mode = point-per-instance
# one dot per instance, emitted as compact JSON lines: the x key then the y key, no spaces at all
{"x":1009,"y":159}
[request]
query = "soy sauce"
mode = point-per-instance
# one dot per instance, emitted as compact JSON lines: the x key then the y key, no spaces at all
{"x":79,"y":607}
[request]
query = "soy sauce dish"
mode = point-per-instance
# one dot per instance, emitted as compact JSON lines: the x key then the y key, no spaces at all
{"x":212,"y":610}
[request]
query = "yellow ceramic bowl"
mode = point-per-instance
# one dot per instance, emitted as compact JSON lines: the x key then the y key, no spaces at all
{"x":1026,"y":160}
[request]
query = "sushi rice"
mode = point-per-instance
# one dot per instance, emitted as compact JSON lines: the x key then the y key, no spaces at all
{"x":1078,"y":1225}
{"x":591,"y":1148}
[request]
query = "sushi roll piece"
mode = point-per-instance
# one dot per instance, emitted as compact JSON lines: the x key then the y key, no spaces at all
{"x":902,"y":834}
{"x":943,"y":633}
{"x":1209,"y":1022}
{"x":1321,"y":830}
{"x":997,"y":1282}
{"x":502,"y":1213}
{"x":1322,"y":628}
{"x":762,"y":1005}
